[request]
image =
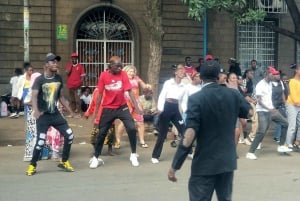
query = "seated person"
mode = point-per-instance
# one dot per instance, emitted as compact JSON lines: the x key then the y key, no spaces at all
{"x":85,"y":98}
{"x":149,"y":108}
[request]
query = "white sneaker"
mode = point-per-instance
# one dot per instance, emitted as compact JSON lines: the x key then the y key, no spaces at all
{"x":247,"y":142}
{"x":251,"y":156}
{"x":14,"y":115}
{"x":241,"y":141}
{"x":283,"y":149}
{"x":190,"y":156}
{"x":154,"y":160}
{"x":94,"y":162}
{"x":134,"y":160}
{"x":21,"y":113}
{"x":259,"y":146}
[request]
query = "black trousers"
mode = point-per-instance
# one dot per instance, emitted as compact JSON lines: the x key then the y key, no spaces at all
{"x":59,"y":123}
{"x":170,"y":113}
{"x":107,"y":118}
{"x":201,"y":188}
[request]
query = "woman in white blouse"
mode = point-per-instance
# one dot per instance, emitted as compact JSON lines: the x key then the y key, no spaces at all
{"x":169,"y":101}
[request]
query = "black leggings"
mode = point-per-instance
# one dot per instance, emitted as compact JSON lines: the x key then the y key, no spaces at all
{"x":107,"y":118}
{"x":170,"y":113}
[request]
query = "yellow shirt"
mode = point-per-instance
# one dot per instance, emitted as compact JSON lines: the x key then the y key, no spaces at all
{"x":294,"y":88}
{"x":26,"y":84}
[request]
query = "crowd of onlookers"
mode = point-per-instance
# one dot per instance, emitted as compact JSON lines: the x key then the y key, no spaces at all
{"x":273,"y":96}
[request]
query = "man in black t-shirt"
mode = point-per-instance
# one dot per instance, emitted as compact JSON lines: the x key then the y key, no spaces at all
{"x":46,"y":92}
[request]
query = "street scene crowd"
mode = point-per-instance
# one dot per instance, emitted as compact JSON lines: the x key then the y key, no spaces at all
{"x":205,"y":107}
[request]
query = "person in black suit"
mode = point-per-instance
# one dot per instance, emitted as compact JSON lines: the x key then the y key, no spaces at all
{"x":211,"y":119}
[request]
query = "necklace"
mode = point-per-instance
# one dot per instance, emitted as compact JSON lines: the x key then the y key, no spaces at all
{"x":47,"y":77}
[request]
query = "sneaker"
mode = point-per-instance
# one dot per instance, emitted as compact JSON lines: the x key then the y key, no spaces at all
{"x":283,"y":149}
{"x":173,"y":144}
{"x":31,"y":170}
{"x":251,"y":156}
{"x":94,"y":162}
{"x":21,"y":113}
{"x":154,"y":160}
{"x":247,"y":141}
{"x":190,"y":156}
{"x":134,"y":160}
{"x":259,"y":146}
{"x":241,"y":141}
{"x":155,"y":132}
{"x":66,"y":166}
{"x":14,"y":116}
{"x":276,"y":139}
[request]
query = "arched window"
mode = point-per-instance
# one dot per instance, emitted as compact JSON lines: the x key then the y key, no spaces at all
{"x":101,"y":33}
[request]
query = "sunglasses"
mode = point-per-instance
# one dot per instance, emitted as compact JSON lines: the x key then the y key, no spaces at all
{"x":119,"y":64}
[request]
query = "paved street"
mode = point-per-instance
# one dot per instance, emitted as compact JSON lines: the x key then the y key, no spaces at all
{"x":272,"y":177}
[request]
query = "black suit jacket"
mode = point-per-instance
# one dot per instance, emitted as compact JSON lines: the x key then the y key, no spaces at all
{"x":212,"y":113}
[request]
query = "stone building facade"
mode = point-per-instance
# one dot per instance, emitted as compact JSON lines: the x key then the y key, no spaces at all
{"x":97,"y":29}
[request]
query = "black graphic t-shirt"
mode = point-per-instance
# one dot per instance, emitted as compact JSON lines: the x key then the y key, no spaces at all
{"x":49,"y":93}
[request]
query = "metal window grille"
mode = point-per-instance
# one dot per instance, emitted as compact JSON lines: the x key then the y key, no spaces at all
{"x":256,"y":42}
{"x":272,"y":6}
{"x":94,"y":55}
{"x":102,"y":33}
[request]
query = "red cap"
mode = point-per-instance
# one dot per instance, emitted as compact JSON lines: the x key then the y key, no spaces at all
{"x":273,"y":71}
{"x":74,"y":54}
{"x":209,"y":57}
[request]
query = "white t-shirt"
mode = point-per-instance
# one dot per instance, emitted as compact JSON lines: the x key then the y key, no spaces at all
{"x":190,"y":90}
{"x":171,"y":90}
{"x":86,"y":99}
{"x":14,"y":82}
{"x":264,"y":90}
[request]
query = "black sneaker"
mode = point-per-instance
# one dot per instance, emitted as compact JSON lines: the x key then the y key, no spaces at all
{"x":173,"y":144}
{"x":276,"y":139}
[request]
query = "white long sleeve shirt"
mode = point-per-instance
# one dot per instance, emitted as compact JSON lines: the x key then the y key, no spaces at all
{"x":171,"y":90}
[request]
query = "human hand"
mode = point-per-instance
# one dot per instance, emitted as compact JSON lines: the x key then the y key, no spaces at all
{"x":171,"y":175}
{"x":37,"y":114}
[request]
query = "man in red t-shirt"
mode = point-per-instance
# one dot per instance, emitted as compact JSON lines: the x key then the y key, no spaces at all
{"x":189,"y":69}
{"x":75,"y":72}
{"x":114,"y":82}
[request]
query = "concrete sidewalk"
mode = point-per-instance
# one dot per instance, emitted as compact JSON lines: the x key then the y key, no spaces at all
{"x":273,"y":177}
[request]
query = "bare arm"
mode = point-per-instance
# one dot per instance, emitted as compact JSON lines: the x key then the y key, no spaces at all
{"x":98,"y":101}
{"x":63,"y":101}
{"x":36,"y":112}
{"x":135,"y":103}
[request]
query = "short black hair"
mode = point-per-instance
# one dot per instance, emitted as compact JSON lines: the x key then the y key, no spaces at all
{"x":210,"y":70}
{"x":18,"y":71}
{"x":26,"y":65}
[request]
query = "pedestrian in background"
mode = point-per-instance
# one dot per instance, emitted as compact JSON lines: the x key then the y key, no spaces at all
{"x":14,"y":101}
{"x":75,"y":72}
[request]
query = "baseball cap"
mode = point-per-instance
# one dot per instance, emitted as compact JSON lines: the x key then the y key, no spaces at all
{"x":209,"y":57}
{"x":273,"y":71}
{"x":210,"y":70}
{"x":74,"y":54}
{"x":51,"y":57}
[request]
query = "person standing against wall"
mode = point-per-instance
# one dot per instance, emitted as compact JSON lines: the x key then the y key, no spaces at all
{"x":75,"y":72}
